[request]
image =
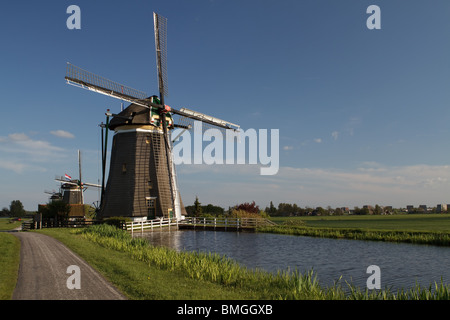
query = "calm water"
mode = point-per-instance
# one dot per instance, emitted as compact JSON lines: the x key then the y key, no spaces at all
{"x":402,"y":265}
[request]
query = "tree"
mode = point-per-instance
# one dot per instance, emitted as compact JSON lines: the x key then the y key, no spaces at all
{"x":321,"y":211}
{"x":56,"y":210}
{"x":377,"y":209}
{"x":208,"y":210}
{"x":16,"y":209}
{"x":5,"y":212}
{"x":361,"y":211}
{"x":213,"y":210}
{"x":197,"y":208}
{"x":271,"y":210}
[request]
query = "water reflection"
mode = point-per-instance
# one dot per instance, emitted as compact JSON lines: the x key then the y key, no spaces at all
{"x":402,"y":265}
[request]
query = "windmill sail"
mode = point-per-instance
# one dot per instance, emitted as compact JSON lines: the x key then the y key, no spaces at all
{"x":160,"y":26}
{"x":87,"y":80}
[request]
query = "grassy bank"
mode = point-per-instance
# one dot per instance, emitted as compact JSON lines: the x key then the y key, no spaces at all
{"x":430,"y":229}
{"x":143,"y":271}
{"x":415,"y":237}
{"x":9,"y":264}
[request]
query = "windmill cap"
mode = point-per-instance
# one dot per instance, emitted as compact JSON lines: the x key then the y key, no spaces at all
{"x":138,"y":113}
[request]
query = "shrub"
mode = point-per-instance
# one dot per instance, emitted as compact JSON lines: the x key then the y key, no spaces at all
{"x":248,"y":207}
{"x":236,"y":213}
{"x":117,"y":221}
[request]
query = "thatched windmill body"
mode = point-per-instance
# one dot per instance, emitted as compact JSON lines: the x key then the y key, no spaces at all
{"x":142,"y":181}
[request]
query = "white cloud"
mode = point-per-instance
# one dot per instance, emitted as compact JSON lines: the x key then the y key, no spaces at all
{"x":318,"y":140}
{"x":20,"y":167}
{"x":287,"y":148}
{"x":18,"y":137}
{"x":335,"y":135}
{"x":62,"y":134}
{"x":12,"y":166}
{"x":20,"y":153}
{"x":370,"y":183}
{"x":21,"y":143}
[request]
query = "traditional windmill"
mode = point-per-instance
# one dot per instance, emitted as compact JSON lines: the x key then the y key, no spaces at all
{"x":54,"y":195}
{"x":142,"y":181}
{"x":72,"y":189}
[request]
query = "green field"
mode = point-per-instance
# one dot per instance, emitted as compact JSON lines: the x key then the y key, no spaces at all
{"x":9,"y":224}
{"x":403,"y":222}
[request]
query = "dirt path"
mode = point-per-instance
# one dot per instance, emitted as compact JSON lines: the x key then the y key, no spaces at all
{"x":43,"y":273}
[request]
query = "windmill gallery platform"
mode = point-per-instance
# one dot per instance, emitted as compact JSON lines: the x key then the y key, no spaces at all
{"x":194,"y":223}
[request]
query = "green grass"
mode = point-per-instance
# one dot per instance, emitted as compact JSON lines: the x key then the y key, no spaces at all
{"x":9,"y":264}
{"x":142,"y":271}
{"x":408,"y":222}
{"x":8,"y":224}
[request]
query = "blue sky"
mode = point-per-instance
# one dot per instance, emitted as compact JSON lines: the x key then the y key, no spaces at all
{"x":362,"y":114}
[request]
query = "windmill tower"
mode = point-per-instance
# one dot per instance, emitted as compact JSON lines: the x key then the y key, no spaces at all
{"x":142,"y":181}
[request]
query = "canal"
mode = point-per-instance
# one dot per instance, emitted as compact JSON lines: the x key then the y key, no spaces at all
{"x":401,"y":265}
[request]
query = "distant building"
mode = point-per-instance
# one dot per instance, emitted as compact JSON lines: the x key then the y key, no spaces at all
{"x":410,"y":208}
{"x":441,"y":208}
{"x":345,"y":209}
{"x":423,"y":207}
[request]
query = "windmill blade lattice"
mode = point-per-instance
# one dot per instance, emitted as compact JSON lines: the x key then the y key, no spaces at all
{"x":160,"y":26}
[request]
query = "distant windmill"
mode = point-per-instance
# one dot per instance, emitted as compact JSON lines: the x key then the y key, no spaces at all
{"x":54,"y":195}
{"x":142,"y":180}
{"x":72,"y":189}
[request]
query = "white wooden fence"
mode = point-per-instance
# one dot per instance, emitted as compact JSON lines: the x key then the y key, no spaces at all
{"x":151,"y":224}
{"x":194,"y":222}
{"x":224,"y":223}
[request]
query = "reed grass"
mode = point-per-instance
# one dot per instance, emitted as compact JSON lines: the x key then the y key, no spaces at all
{"x":227,"y":272}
